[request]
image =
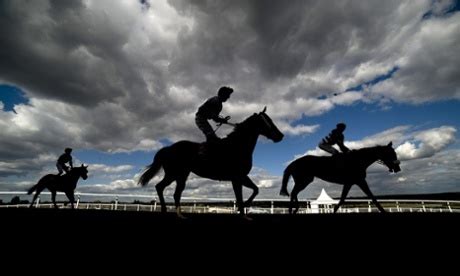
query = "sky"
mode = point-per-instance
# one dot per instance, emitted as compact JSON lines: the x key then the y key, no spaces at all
{"x":118,"y":80}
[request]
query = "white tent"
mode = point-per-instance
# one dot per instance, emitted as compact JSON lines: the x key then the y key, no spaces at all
{"x":323,"y":204}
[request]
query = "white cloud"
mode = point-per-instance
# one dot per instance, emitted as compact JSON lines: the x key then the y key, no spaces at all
{"x":426,"y":143}
{"x":101,"y":168}
{"x":116,"y":77}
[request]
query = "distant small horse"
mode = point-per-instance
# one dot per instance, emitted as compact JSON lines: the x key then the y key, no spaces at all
{"x":346,"y":169}
{"x":229,"y":159}
{"x":65,"y":183}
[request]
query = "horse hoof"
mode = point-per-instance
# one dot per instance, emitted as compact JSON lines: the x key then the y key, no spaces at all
{"x":284,"y":193}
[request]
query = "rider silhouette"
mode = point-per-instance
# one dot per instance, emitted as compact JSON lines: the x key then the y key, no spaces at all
{"x":210,"y":110}
{"x":64,"y":158}
{"x":334,"y":137}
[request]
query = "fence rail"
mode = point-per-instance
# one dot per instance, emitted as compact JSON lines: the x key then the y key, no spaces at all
{"x":228,"y":205}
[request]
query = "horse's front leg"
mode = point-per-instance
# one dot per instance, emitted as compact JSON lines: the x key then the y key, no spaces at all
{"x":365,"y":187}
{"x":247,"y":182}
{"x":70,"y":195}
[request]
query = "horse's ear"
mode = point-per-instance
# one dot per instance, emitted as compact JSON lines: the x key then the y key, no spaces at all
{"x":265,"y":109}
{"x":390,"y":144}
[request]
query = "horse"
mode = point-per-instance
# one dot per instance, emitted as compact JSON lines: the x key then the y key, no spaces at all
{"x":227,"y":160}
{"x":65,"y":183}
{"x":346,"y":169}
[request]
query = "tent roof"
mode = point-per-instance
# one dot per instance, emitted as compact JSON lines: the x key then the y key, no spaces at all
{"x":324,"y":198}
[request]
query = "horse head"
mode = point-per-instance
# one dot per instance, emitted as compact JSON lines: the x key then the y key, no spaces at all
{"x":82,"y":171}
{"x":268,"y":128}
{"x":389,"y":158}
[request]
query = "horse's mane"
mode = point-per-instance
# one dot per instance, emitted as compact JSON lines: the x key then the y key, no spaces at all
{"x":242,"y":127}
{"x":366,"y":149}
{"x":363,"y":151}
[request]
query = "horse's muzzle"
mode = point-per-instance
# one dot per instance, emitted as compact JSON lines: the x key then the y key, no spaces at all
{"x":395,"y":168}
{"x":278,"y":138}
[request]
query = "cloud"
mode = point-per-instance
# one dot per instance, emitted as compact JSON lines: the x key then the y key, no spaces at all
{"x":133,"y":73}
{"x":122,"y":76}
{"x":426,"y":143}
{"x":427,"y":64}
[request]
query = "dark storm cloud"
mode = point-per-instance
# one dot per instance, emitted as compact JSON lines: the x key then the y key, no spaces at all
{"x":62,"y":50}
{"x":123,"y":75}
{"x":280,"y":40}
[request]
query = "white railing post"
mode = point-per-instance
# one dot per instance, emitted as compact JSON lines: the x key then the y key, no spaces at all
{"x":37,"y":203}
{"x":78,"y":201}
{"x":272,"y":207}
{"x":116,"y":203}
{"x":448,"y":205}
{"x":369,"y":206}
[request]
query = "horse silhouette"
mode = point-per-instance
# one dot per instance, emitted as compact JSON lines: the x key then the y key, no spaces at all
{"x":230,"y":159}
{"x":65,"y":183}
{"x":345,"y":169}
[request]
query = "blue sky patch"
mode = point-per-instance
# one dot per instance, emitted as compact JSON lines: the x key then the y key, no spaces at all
{"x":11,"y":96}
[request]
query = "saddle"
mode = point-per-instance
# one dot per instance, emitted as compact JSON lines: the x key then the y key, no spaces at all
{"x":210,"y":149}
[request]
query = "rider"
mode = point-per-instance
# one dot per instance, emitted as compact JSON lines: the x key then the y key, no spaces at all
{"x":62,"y":160}
{"x":334,"y":137}
{"x":210,"y":110}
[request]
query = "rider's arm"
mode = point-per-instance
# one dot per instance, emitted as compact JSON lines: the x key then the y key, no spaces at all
{"x":221,"y":120}
{"x":342,"y":147}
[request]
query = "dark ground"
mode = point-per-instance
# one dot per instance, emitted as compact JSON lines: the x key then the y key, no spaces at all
{"x":149,"y":242}
{"x":122,"y":239}
{"x":122,"y":227}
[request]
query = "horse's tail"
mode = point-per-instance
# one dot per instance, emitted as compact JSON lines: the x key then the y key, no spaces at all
{"x":32,"y":189}
{"x":39,"y":184}
{"x":152,"y":169}
{"x":287,"y":173}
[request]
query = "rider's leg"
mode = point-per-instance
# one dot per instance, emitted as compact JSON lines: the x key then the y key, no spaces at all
{"x":328,"y":148}
{"x":206,"y":128}
{"x":60,"y":170}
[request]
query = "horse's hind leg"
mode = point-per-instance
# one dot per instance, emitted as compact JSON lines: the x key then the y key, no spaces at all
{"x":345,"y":190}
{"x":299,"y":185}
{"x":53,"y":198}
{"x":33,"y":200}
{"x":247,"y":182}
{"x":180,"y":186}
{"x":165,"y":182}
{"x":37,"y":193}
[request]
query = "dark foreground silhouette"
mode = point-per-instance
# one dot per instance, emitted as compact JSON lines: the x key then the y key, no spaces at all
{"x":345,"y":169}
{"x":229,"y":160}
{"x":124,"y":233}
{"x":65,"y":183}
